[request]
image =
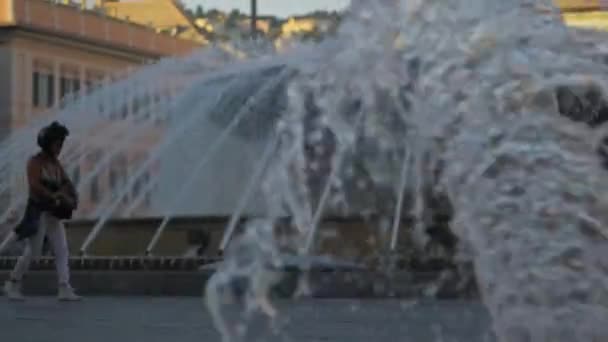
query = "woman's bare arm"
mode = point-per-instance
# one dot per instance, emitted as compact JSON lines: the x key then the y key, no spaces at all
{"x":34,"y":179}
{"x":68,"y":187}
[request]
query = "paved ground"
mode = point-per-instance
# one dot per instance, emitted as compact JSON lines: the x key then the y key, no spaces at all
{"x":128,"y":319}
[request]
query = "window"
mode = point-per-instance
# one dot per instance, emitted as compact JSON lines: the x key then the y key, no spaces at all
{"x":68,"y":86}
{"x":118,"y":173}
{"x":140,"y":184}
{"x":101,"y":107}
{"x":50,"y":100}
{"x":64,"y":87}
{"x":94,"y":190}
{"x":149,"y":106}
{"x":93,"y":158}
{"x":43,"y":89}
{"x":124,"y":112}
{"x":122,"y":161}
{"x":148,"y":199}
{"x":136,"y":104}
{"x":148,"y":195}
{"x":94,"y":79}
{"x":113,"y":178}
{"x":76,"y":176}
{"x":70,"y":75}
{"x":122,"y":168}
{"x":36,"y":89}
{"x":137,"y":187}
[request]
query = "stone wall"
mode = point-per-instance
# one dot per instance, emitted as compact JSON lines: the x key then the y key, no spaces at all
{"x":349,"y":238}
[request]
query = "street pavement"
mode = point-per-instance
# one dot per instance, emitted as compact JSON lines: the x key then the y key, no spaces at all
{"x":176,"y":319}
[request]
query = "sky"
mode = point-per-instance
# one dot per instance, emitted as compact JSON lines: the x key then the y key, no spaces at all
{"x":282,"y":8}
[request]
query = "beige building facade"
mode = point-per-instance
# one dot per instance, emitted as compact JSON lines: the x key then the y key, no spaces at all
{"x":51,"y":51}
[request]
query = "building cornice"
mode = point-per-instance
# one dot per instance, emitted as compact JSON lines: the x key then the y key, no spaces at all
{"x":73,"y":23}
{"x":76,"y":42}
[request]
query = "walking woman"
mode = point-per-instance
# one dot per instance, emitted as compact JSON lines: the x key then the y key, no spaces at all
{"x":52,"y":198}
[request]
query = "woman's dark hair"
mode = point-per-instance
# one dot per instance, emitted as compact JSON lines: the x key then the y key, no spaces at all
{"x":55,"y":132}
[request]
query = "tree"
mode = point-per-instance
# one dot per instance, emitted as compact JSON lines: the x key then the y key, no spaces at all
{"x":233,"y":18}
{"x":188,"y":12}
{"x":214,"y":13}
{"x":235,"y":13}
{"x":199,"y":12}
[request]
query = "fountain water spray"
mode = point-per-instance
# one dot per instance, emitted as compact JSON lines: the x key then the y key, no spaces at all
{"x":526,"y":183}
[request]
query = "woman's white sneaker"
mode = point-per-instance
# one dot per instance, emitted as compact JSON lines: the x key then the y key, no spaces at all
{"x":66,"y":294}
{"x":12,"y":290}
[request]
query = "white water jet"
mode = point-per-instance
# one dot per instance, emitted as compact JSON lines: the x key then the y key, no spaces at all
{"x":526,"y":184}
